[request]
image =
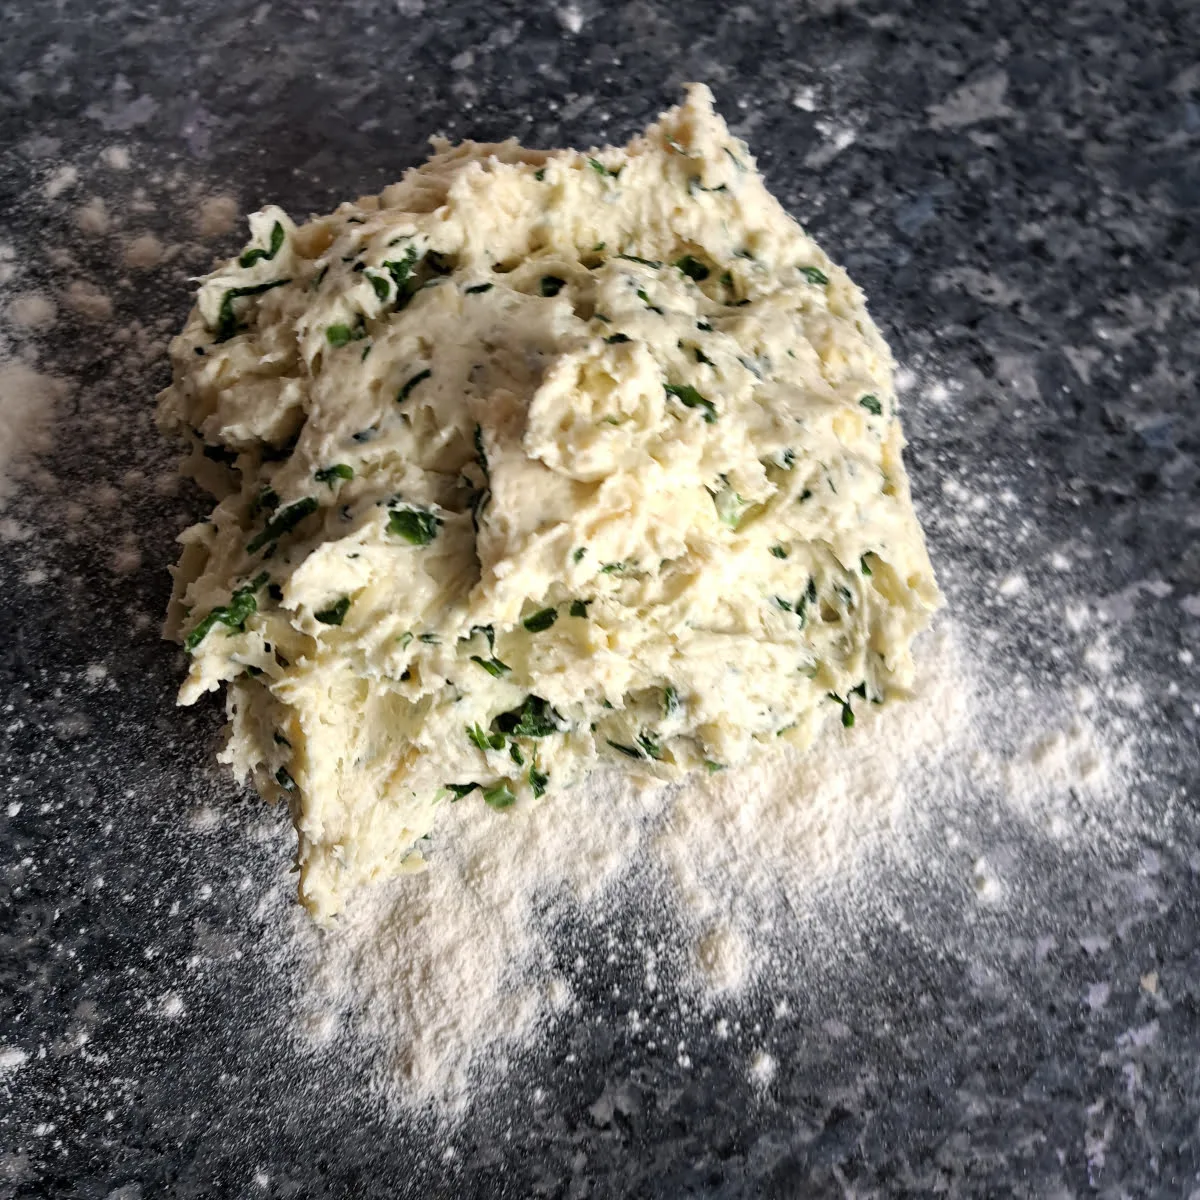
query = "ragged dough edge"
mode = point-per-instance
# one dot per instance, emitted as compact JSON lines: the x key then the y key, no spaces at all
{"x":360,"y":725}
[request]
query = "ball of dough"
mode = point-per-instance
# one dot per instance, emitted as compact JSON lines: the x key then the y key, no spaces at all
{"x":535,"y":462}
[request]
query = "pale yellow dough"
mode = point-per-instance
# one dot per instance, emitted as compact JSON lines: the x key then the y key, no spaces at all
{"x":625,"y":378}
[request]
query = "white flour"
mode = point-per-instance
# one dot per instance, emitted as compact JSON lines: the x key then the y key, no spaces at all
{"x":439,"y":979}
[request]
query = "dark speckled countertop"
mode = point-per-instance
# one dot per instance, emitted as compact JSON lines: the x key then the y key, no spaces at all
{"x":1017,"y":187}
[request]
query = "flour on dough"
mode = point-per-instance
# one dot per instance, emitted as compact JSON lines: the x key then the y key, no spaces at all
{"x":532,"y":462}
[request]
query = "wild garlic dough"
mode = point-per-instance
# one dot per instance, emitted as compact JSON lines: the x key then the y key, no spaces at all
{"x":535,"y":462}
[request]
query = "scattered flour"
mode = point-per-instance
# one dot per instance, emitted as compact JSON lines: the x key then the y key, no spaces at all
{"x":439,"y":980}
{"x":217,"y":215}
{"x":93,"y":218}
{"x":32,"y":310}
{"x":88,"y":300}
{"x":27,"y":403}
{"x":12,"y":1059}
{"x":143,"y":252}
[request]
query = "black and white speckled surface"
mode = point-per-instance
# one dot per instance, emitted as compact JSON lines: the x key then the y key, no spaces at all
{"x":1017,"y":186}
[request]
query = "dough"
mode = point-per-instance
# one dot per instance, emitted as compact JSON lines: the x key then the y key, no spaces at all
{"x":532,"y":463}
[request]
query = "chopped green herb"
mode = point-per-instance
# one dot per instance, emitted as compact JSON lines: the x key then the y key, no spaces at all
{"x":493,"y":666}
{"x":859,"y":689}
{"x":693,"y":268}
{"x":815,"y":275}
{"x":872,"y":405}
{"x":551,"y":285}
{"x":500,"y":796}
{"x":382,"y":286}
{"x":460,"y":789}
{"x":864,"y":566}
{"x":713,"y":767}
{"x":485,"y":741}
{"x":534,"y":718}
{"x":641,"y":294}
{"x":779,"y":551}
{"x":701,"y":357}
{"x":617,"y":339}
{"x":847,"y":711}
{"x":405,"y":639}
{"x":430,"y":639}
{"x":804,"y":495}
{"x":670,"y":701}
{"x":613,"y":568}
{"x":415,"y":526}
{"x":786,"y":605}
{"x":481,"y":453}
{"x":401,"y":271}
{"x":579,"y":608}
{"x":690,"y":398}
{"x":335,"y":614}
{"x":541,"y":620}
{"x":340,"y":335}
{"x":651,"y":746}
{"x":258,"y":254}
{"x":729,"y":506}
{"x":337,"y":471}
{"x":284,"y":778}
{"x":242,"y":604}
{"x":318,"y":278}
{"x":488,"y":632}
{"x":226,"y":318}
{"x":628,"y":751}
{"x":283,"y":522}
{"x":645,"y":262}
{"x":280,"y":740}
{"x":406,"y":390}
{"x":578,"y":554}
{"x":478,"y":288}
{"x":538,"y":781}
{"x":704,"y":327}
{"x":601,"y":169}
{"x":266,"y":501}
{"x":514,"y":752}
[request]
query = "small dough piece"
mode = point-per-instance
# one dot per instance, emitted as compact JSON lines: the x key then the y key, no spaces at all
{"x":535,"y":462}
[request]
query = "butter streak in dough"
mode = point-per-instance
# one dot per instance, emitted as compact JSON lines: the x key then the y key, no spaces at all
{"x":535,"y":462}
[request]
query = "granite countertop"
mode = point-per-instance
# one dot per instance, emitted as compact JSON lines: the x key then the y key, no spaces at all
{"x":1017,"y":188}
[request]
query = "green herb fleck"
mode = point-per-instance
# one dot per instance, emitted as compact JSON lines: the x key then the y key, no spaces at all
{"x":283,"y":522}
{"x":872,"y":405}
{"x":340,"y":335}
{"x":579,"y":608}
{"x":690,"y":398}
{"x":713,"y":767}
{"x":430,"y":639}
{"x":405,"y":639}
{"x":864,"y":566}
{"x":538,"y":781}
{"x":628,"y":751}
{"x":500,"y":796}
{"x":460,"y":789}
{"x":493,"y":666}
{"x":578,"y":554}
{"x":383,"y":288}
{"x":535,"y":717}
{"x":701,"y":357}
{"x":670,"y":701}
{"x":416,"y":527}
{"x":541,"y":620}
{"x":242,"y":604}
{"x":337,"y":471}
{"x":815,"y":275}
{"x":514,"y":752}
{"x":617,"y":339}
{"x":779,"y":551}
{"x":693,"y":268}
{"x":847,"y":711}
{"x":601,"y":169}
{"x":479,"y":288}
{"x":335,"y":614}
{"x":258,"y":254}
{"x":641,"y":294}
{"x":540,"y":174}
{"x":227,"y":318}
{"x":551,"y":285}
{"x":406,"y":390}
{"x":613,"y":568}
{"x":645,"y":262}
{"x":484,"y":740}
{"x":804,"y":495}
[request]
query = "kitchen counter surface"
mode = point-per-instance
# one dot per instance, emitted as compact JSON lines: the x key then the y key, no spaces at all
{"x":1017,"y":188}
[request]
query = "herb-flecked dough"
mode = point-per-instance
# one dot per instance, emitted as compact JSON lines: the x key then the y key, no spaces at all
{"x":535,"y":462}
